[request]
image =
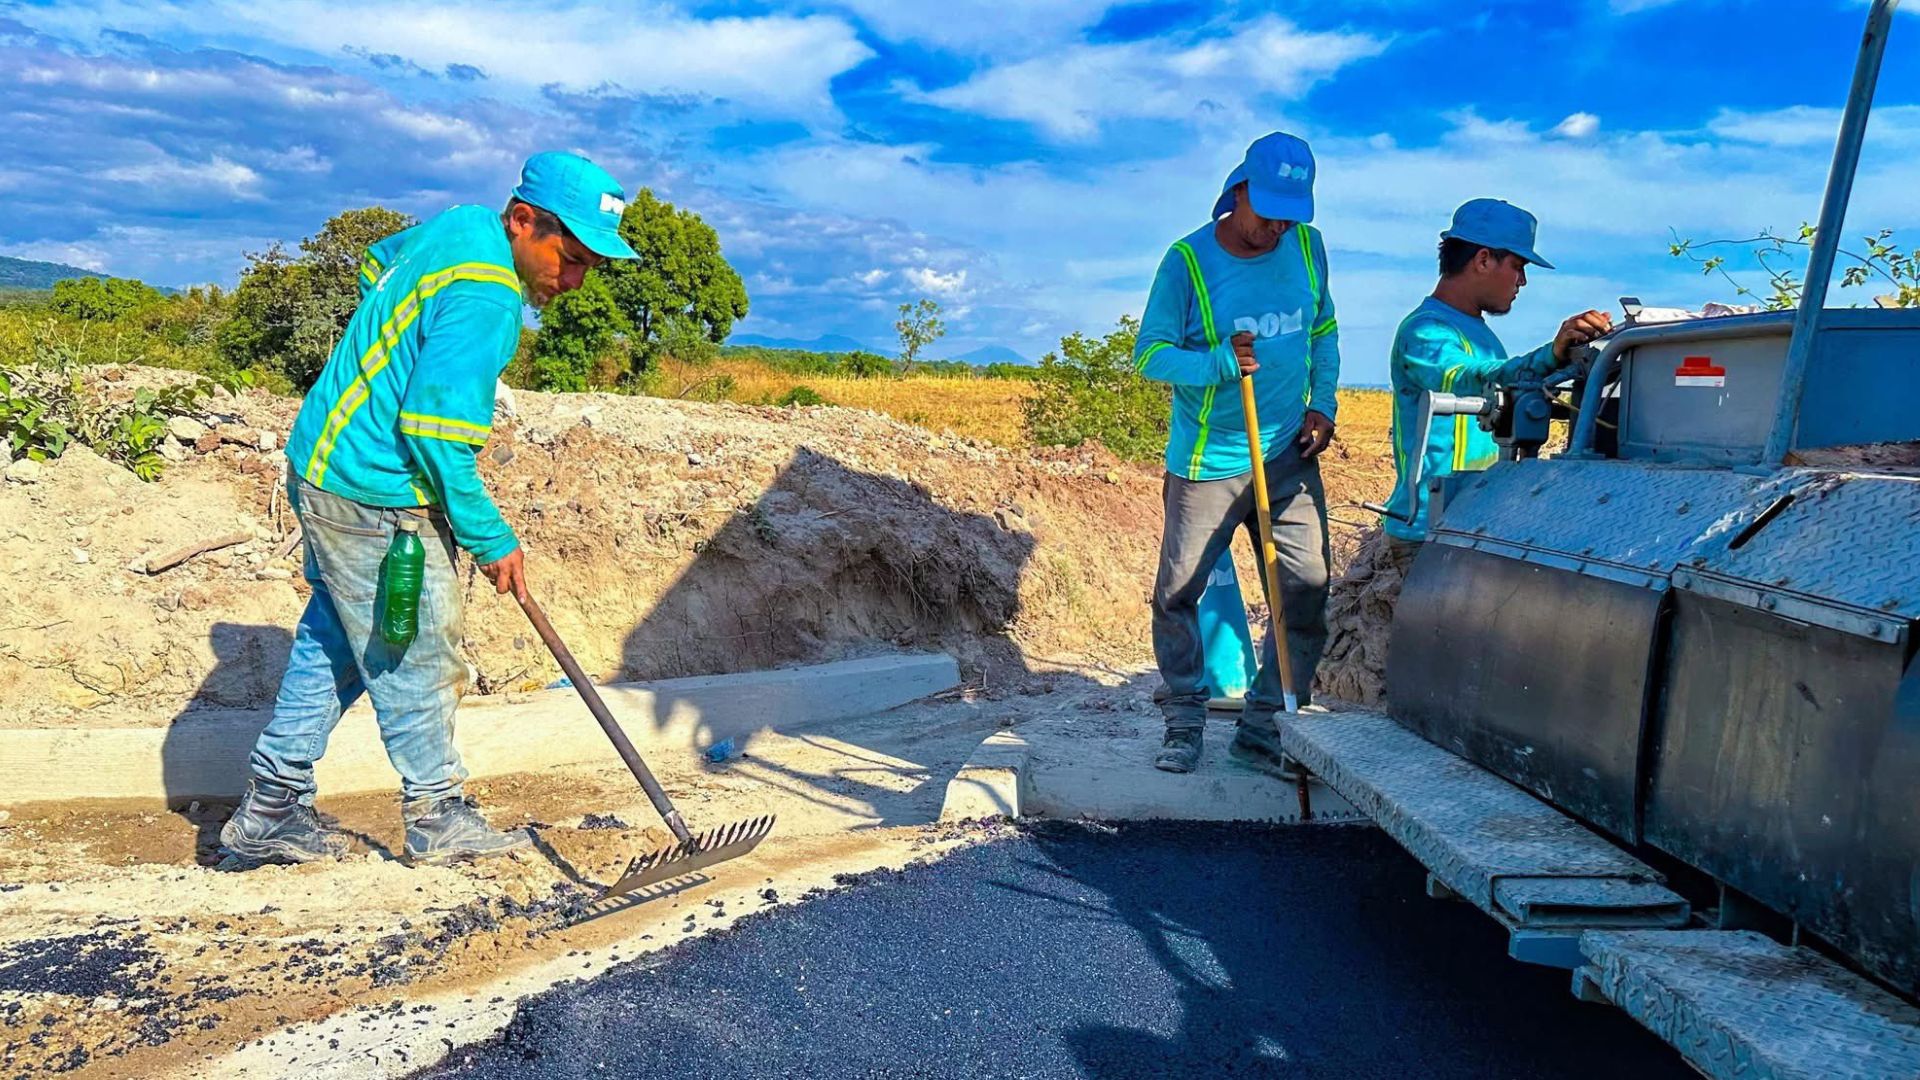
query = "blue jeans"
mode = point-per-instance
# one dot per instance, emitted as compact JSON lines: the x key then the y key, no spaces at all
{"x":338,"y":652}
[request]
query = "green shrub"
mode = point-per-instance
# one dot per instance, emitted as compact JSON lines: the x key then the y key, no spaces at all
{"x":801,"y":395}
{"x":1089,"y":391}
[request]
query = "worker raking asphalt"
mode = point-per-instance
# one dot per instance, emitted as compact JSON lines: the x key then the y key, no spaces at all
{"x":1144,"y":950}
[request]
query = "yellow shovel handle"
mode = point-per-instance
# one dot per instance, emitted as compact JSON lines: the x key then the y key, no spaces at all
{"x":1269,"y":555}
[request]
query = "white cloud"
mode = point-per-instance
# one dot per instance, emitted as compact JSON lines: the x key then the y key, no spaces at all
{"x":928,"y":280}
{"x":872,"y":277}
{"x":1808,"y":127}
{"x":85,"y":254}
{"x":779,"y":62}
{"x":1580,"y":125}
{"x":164,"y":171}
{"x":1070,"y":93}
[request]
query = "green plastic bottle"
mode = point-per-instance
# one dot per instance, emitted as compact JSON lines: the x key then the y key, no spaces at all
{"x":400,"y":577}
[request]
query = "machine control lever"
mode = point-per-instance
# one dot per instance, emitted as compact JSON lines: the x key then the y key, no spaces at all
{"x":1432,"y":403}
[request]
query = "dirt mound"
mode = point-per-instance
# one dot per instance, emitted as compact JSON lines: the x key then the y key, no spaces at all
{"x":664,"y":538}
{"x":1360,"y":621}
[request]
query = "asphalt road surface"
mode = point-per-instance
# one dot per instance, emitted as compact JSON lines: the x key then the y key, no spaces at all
{"x":1144,"y":950}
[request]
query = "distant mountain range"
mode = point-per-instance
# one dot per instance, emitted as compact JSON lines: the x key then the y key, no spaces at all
{"x":834,"y":343}
{"x":31,"y":274}
{"x":840,"y":343}
{"x":989,"y":354}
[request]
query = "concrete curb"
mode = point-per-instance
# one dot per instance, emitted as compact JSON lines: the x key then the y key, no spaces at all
{"x":995,"y":781}
{"x":203,"y":755}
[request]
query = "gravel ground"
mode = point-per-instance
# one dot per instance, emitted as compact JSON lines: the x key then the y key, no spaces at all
{"x":1139,"y":951}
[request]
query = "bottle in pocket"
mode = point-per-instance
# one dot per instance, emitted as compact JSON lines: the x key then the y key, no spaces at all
{"x":400,"y":579}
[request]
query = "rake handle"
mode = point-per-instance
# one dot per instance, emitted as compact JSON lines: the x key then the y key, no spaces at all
{"x":655,"y":793}
{"x":1269,"y":555}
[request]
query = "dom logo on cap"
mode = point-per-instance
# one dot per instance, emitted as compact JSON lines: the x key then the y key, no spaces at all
{"x":1278,"y":171}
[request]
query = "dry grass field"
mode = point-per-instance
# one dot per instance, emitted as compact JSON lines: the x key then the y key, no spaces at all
{"x":979,"y":408}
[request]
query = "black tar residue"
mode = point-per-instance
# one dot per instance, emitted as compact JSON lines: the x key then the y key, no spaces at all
{"x":116,"y":964}
{"x":602,"y":821}
{"x":1145,"y":950}
{"x":83,"y":965}
{"x":157,"y":1006}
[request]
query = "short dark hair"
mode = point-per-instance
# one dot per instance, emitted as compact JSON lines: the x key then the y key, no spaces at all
{"x":545,"y":222}
{"x":1456,"y":254}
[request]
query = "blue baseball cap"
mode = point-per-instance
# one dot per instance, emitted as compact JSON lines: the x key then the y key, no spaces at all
{"x":1278,"y":170}
{"x":1496,"y":224}
{"x":582,"y":195}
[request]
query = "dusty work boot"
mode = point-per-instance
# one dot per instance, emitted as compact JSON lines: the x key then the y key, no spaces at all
{"x":1260,"y":748}
{"x":271,"y":824}
{"x":450,"y":828}
{"x":1180,"y":751}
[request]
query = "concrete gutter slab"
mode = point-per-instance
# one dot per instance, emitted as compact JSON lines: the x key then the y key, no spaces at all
{"x":1099,"y":765}
{"x":1740,"y":1006}
{"x":203,"y":754}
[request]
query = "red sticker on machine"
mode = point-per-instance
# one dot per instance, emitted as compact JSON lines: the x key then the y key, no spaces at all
{"x":1699,"y":371}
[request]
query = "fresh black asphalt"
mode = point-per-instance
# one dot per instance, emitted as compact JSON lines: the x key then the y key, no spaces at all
{"x":1143,"y":950}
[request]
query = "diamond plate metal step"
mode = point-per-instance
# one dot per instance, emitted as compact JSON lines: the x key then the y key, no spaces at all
{"x":1542,"y":875}
{"x":1740,"y":1006}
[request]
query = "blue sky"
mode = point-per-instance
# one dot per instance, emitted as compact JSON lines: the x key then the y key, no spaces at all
{"x":1024,"y":164}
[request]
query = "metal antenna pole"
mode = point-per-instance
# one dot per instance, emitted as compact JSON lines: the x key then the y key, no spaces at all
{"x":1826,"y":237}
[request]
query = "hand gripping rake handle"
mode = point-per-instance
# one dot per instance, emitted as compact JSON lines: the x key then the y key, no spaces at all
{"x":1269,"y":556}
{"x":591,"y":696}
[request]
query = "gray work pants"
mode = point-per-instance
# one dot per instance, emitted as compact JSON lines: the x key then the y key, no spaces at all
{"x":1201,"y":516}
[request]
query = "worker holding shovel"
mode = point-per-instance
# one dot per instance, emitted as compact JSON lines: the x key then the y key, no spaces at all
{"x":385,"y":444}
{"x":1243,"y":300}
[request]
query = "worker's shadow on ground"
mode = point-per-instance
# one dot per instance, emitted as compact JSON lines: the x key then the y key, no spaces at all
{"x":201,"y":765}
{"x":831,"y":554}
{"x":1305,"y":951}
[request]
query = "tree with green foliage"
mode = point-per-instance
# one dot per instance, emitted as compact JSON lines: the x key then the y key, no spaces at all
{"x":577,"y":329}
{"x":288,"y":311}
{"x":680,"y":298}
{"x":95,"y":299}
{"x":865,"y":365}
{"x":919,"y":326}
{"x":1882,"y":266}
{"x":1089,"y":391}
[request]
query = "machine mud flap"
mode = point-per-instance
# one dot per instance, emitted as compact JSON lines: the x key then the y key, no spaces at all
{"x":1788,"y":747}
{"x":1536,"y":673}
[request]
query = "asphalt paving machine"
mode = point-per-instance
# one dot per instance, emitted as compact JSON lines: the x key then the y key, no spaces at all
{"x":1695,"y":629}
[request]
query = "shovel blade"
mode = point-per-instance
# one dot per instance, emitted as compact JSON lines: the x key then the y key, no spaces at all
{"x":685,"y":857}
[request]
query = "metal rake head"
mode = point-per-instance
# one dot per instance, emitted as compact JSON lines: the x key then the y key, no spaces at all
{"x":686,"y":856}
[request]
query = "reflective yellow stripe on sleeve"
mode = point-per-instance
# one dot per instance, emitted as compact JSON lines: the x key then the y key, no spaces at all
{"x":444,"y":427}
{"x":1213,"y":342}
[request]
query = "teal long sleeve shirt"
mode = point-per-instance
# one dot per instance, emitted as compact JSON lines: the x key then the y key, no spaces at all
{"x":1441,"y":348}
{"x":1201,"y":297}
{"x":405,"y":401}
